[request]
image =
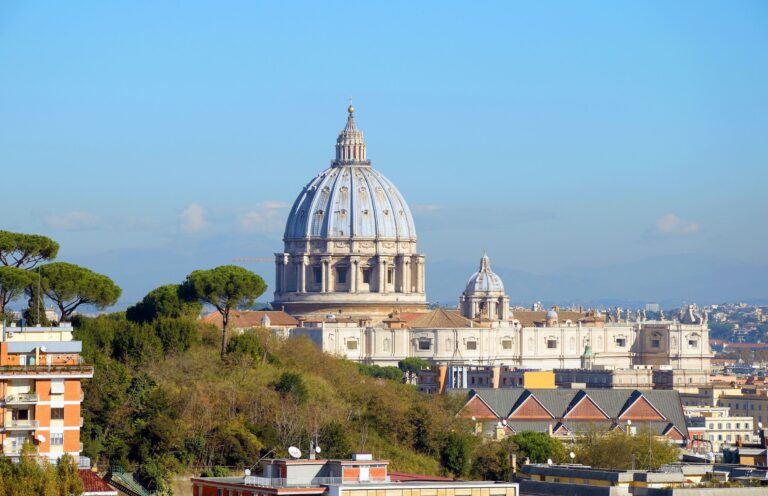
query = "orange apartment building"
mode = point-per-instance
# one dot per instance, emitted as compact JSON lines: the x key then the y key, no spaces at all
{"x":40,"y":390}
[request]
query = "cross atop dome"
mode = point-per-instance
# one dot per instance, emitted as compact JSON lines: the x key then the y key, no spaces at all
{"x":350,"y":146}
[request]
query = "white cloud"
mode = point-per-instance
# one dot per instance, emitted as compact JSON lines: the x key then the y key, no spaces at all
{"x":671,"y":224}
{"x":193,"y":218}
{"x":72,"y":220}
{"x":268,"y":216}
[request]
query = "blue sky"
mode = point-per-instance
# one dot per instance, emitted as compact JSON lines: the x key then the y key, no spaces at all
{"x":154,"y":138}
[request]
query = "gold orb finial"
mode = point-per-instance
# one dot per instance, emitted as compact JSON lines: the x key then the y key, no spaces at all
{"x":350,"y":109}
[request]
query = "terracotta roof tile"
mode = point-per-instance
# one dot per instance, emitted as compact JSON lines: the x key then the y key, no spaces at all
{"x":249,"y":318}
{"x":92,"y":483}
{"x":440,"y":319}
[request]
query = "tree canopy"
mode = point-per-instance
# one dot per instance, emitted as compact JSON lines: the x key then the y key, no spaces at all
{"x":539,"y":447}
{"x":13,"y":282}
{"x":26,"y":250}
{"x":165,"y":301}
{"x":618,"y":450}
{"x":68,"y":286}
{"x":226,"y":288}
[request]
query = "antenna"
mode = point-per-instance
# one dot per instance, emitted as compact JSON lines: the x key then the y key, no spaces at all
{"x":294,"y":452}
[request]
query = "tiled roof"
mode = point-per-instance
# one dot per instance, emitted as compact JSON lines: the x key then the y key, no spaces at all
{"x":92,"y":483}
{"x":612,"y":401}
{"x":249,"y":318}
{"x":440,"y":319}
{"x":528,"y":318}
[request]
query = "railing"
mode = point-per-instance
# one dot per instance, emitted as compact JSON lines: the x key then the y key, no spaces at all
{"x":16,"y":399}
{"x":21,"y":424}
{"x":252,"y":480}
{"x":46,"y":369}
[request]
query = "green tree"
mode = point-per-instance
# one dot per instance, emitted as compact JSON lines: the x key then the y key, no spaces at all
{"x":491,"y":461}
{"x":68,"y":286}
{"x":248,"y":344}
{"x":456,"y":453}
{"x":165,"y":301}
{"x":334,"y":441}
{"x":175,"y":334}
{"x":539,"y":447}
{"x":618,"y":450}
{"x":25,"y":251}
{"x":226,"y":288}
{"x":291,"y":384}
{"x":379,"y":372}
{"x":69,"y":480}
{"x":13,"y":282}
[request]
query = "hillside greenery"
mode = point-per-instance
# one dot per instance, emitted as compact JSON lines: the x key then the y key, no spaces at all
{"x":164,"y":401}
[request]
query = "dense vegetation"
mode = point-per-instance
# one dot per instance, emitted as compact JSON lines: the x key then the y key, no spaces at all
{"x":41,"y":479}
{"x":164,"y":401}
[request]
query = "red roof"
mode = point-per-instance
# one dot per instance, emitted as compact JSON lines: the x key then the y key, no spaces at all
{"x":92,"y":483}
{"x":406,"y":477}
{"x":249,"y":318}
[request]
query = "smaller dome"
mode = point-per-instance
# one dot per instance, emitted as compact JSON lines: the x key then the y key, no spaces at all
{"x":551,"y":315}
{"x":484,"y":280}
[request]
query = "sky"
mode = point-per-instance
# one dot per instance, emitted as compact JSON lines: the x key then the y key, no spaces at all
{"x":568,"y":139}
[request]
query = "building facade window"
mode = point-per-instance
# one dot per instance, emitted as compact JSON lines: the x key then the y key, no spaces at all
{"x":471,"y":345}
{"x":367,"y":275}
{"x":57,"y":414}
{"x":341,"y":275}
{"x":425,"y":344}
{"x":621,"y":342}
{"x":352,"y":344}
{"x":506,"y":344}
{"x":551,"y":343}
{"x":57,"y":439}
{"x":318,"y":273}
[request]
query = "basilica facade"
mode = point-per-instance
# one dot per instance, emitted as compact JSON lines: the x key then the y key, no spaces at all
{"x":351,"y":274}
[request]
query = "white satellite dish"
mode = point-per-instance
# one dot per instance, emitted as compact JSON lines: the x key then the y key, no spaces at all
{"x":247,"y":472}
{"x":294,"y":452}
{"x":549,"y":461}
{"x":572,"y":455}
{"x":41,"y":438}
{"x":504,"y":423}
{"x":318,"y":450}
{"x":43,"y":349}
{"x":759,"y":425}
{"x":6,"y":442}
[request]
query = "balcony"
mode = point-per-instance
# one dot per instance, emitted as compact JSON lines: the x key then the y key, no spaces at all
{"x":22,"y":399}
{"x":12,"y":371}
{"x":21,"y":425}
{"x":307,"y":482}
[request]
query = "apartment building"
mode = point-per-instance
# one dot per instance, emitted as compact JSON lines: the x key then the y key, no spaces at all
{"x":360,"y":476}
{"x":720,"y":427}
{"x":40,"y":390}
{"x":754,"y":404}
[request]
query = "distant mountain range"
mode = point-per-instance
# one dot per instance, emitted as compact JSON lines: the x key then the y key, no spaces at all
{"x":667,"y":280}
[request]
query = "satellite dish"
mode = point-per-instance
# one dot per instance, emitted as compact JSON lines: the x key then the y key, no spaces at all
{"x":759,"y":425}
{"x":474,"y":419}
{"x":294,"y":452}
{"x":629,"y":422}
{"x":549,"y":461}
{"x":6,"y":442}
{"x":41,"y":438}
{"x":247,"y":472}
{"x":572,"y":455}
{"x":318,"y":450}
{"x":43,"y":349}
{"x":504,"y":423}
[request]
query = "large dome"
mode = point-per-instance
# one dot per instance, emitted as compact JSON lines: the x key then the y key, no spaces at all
{"x":350,"y":201}
{"x":349,"y":242}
